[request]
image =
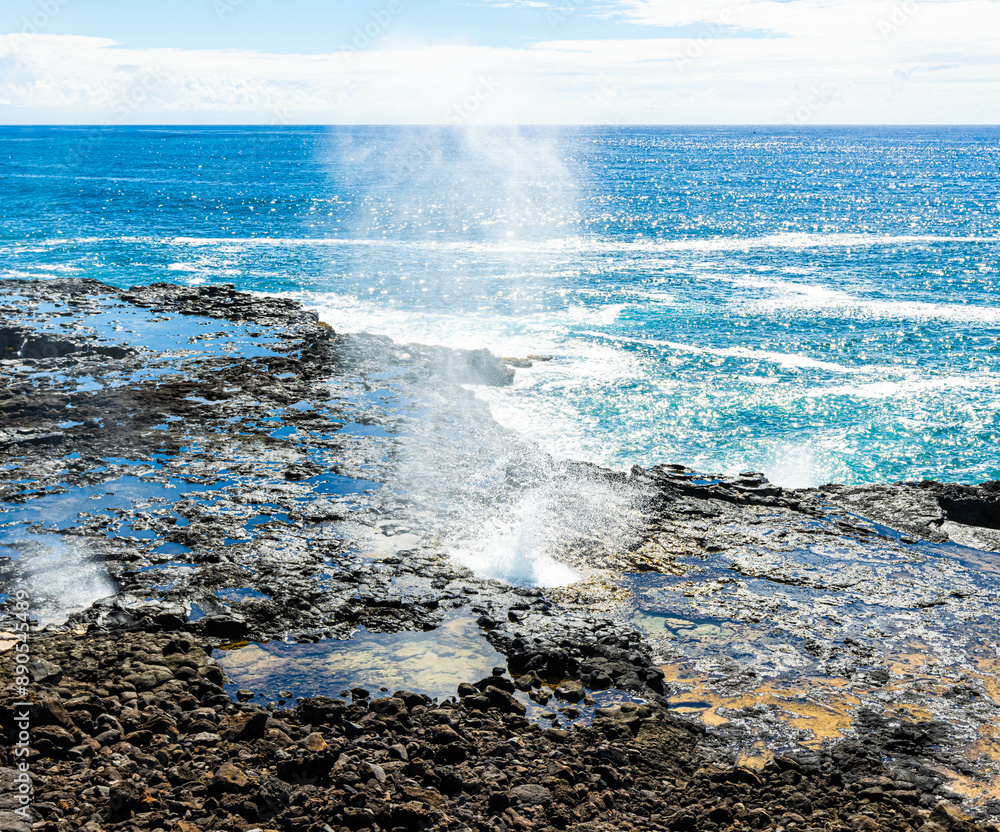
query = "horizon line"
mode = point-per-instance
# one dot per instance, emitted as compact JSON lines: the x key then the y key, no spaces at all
{"x":438,"y":125}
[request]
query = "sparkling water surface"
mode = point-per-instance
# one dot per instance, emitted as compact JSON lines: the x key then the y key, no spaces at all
{"x":819,"y":304}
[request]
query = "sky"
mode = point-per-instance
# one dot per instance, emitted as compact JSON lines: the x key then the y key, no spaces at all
{"x":500,"y":62}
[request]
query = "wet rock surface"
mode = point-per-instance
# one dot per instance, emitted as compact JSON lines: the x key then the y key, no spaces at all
{"x":939,"y":512}
{"x":183,"y":469}
{"x":819,"y":615}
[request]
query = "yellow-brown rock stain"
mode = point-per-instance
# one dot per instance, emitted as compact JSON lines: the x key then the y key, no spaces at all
{"x":826,"y":706}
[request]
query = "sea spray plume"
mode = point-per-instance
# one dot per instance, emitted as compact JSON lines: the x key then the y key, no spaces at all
{"x":455,"y":184}
{"x":450,"y":201}
{"x":489,"y":497}
{"x":496,"y":502}
{"x":802,"y":464}
{"x":807,"y":459}
{"x":63,"y":576}
{"x":63,"y":572}
{"x":536,"y":192}
{"x":556,"y":533}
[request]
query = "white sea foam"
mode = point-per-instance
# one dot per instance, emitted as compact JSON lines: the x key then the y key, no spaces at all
{"x":650,"y":296}
{"x":915,"y":385}
{"x":18,"y":274}
{"x":849,"y":306}
{"x":544,"y":401}
{"x":770,"y":356}
{"x":505,"y":335}
{"x":583,"y":244}
{"x":791,"y":297}
{"x":59,"y":268}
{"x":788,"y":240}
{"x":539,"y":404}
{"x":576,"y":244}
{"x":468,"y":331}
{"x":602,"y":315}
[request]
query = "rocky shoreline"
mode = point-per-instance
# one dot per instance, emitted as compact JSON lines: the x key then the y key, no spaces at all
{"x":185,"y":471}
{"x":134,"y":731}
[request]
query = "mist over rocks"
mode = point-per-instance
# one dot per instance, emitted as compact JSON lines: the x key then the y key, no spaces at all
{"x":197,"y":467}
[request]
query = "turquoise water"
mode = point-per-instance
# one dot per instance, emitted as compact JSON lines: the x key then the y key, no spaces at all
{"x":819,"y":304}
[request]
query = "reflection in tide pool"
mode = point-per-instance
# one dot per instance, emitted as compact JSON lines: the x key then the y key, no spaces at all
{"x":433,"y":663}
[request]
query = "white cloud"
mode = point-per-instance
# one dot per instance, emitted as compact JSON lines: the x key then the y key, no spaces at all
{"x":829,"y":61}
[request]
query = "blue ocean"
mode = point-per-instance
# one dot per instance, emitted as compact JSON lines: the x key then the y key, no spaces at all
{"x":819,"y":304}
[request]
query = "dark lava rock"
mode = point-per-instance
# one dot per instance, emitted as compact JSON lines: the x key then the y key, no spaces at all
{"x":410,"y":766}
{"x":531,"y":794}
